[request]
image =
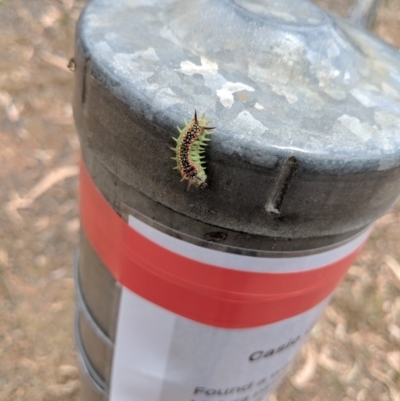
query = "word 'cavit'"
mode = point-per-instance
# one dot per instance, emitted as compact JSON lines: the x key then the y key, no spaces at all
{"x":189,"y":151}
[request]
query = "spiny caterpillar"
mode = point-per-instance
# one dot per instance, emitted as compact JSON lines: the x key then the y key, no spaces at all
{"x":189,"y":151}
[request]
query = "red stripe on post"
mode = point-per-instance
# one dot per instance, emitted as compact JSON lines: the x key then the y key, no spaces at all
{"x":205,"y":293}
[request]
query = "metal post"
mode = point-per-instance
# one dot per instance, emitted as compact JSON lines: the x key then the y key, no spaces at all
{"x":192,"y":293}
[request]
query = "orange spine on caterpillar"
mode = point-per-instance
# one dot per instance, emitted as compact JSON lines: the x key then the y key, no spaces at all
{"x":189,"y":151}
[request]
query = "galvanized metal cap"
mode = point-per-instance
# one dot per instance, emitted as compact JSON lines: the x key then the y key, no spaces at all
{"x":307,"y":110}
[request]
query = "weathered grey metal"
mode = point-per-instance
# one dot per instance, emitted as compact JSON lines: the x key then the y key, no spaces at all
{"x":278,"y":79}
{"x":95,"y":343}
{"x":89,"y":390}
{"x":96,"y":288}
{"x":306,"y":152}
{"x":92,"y":386}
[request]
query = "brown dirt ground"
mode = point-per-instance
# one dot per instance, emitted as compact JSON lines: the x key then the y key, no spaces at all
{"x":354,"y":350}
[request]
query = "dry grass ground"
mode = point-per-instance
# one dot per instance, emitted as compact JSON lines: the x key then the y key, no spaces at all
{"x":354,"y":350}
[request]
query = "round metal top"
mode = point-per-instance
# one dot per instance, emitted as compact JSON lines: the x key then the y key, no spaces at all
{"x":276,"y":77}
{"x":280,"y":80}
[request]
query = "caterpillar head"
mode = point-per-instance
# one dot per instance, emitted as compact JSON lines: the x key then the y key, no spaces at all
{"x":199,"y":181}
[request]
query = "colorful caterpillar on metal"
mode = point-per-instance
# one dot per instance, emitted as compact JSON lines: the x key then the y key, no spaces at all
{"x":189,"y":151}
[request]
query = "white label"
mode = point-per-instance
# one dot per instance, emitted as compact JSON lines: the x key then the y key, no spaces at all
{"x":160,"y":356}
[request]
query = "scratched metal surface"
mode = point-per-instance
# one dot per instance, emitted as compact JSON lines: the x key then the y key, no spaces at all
{"x":282,"y":81}
{"x":305,"y":153}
